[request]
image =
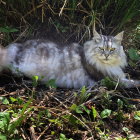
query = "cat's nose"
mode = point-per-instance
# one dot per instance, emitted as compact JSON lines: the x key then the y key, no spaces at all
{"x":106,"y":56}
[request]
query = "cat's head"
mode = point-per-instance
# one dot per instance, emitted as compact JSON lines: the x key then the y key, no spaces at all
{"x":106,"y":50}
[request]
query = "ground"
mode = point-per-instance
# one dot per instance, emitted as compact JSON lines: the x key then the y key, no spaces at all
{"x":40,"y":112}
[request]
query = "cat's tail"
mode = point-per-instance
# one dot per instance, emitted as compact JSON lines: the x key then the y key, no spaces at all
{"x":3,"y":58}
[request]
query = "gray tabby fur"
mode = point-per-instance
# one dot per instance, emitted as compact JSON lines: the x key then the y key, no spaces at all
{"x":72,"y":66}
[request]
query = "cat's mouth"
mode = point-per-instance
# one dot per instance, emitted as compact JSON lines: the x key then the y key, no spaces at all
{"x":106,"y":59}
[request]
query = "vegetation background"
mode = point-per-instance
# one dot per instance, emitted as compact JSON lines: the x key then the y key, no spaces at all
{"x":31,"y":111}
{"x":73,"y":19}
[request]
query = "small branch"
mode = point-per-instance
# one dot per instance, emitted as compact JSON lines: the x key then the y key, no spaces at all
{"x":62,"y":8}
{"x":32,"y":132}
{"x":43,"y":132}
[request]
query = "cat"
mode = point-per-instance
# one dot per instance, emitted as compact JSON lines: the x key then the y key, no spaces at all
{"x":72,"y":65}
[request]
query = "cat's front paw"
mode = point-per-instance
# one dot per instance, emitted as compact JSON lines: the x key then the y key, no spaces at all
{"x":130,"y":83}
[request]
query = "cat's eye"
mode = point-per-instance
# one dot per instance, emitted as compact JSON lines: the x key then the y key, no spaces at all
{"x":101,"y":48}
{"x":112,"y":49}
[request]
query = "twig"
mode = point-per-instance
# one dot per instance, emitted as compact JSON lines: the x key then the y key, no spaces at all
{"x":62,"y":8}
{"x":88,"y":30}
{"x":20,"y":106}
{"x":43,"y":132}
{"x":24,"y":134}
{"x":32,"y":131}
{"x":117,"y":84}
{"x":21,"y":35}
{"x":61,"y":103}
{"x":83,"y":124}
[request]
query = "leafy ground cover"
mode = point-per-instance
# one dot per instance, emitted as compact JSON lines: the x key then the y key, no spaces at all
{"x":37,"y":112}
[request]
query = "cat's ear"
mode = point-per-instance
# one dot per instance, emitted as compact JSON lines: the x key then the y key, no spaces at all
{"x":119,"y":36}
{"x":95,"y":34}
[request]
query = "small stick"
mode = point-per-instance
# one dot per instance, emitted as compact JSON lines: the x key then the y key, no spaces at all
{"x":62,"y":8}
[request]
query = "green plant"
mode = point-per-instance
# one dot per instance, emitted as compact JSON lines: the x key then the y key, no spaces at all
{"x":134,"y":57}
{"x":63,"y":137}
{"x":120,"y":113}
{"x":102,"y":134}
{"x":6,"y":31}
{"x":137,"y":115}
{"x":44,"y":115}
{"x":83,"y":96}
{"x":8,"y":126}
{"x":133,"y":54}
{"x":4,"y":100}
{"x":35,"y":80}
{"x":105,"y":113}
{"x":79,"y":109}
{"x":109,"y":83}
{"x":51,"y":83}
{"x":60,"y":27}
{"x":120,"y":138}
{"x":56,"y":121}
{"x":128,"y":133}
{"x":16,"y":100}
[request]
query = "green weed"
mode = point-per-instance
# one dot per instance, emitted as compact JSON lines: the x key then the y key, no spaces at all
{"x":82,"y":96}
{"x":10,"y":121}
{"x":63,"y":137}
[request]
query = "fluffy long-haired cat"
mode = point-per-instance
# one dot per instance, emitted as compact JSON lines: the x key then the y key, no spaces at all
{"x":72,"y":66}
